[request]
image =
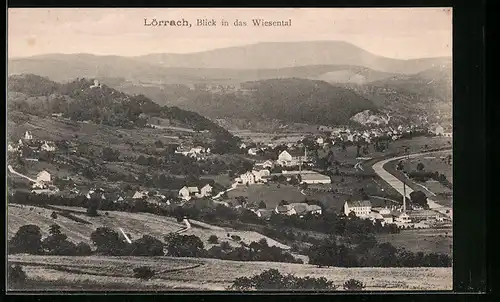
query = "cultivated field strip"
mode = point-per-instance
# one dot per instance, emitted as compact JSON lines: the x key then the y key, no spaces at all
{"x":214,"y":274}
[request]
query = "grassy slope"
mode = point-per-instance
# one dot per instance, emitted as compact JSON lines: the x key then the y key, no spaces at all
{"x":137,"y":224}
{"x":216,"y":274}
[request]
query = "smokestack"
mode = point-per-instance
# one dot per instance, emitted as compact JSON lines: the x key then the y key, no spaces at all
{"x":404,"y":197}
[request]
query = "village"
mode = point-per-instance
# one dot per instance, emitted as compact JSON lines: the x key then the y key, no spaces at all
{"x":294,"y":165}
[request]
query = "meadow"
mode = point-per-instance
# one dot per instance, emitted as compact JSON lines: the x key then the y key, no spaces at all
{"x":210,"y":274}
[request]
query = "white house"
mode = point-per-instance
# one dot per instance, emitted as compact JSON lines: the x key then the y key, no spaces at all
{"x":252,"y":151}
{"x":243,"y":146}
{"x":436,"y":129}
{"x":184,"y":193}
{"x":359,"y":207}
{"x":264,"y":172}
{"x":28,"y":136}
{"x":402,"y":218}
{"x":320,"y":141}
{"x":48,"y":146}
{"x":139,"y":195}
{"x":268,"y":164}
{"x":291,"y":158}
{"x":247,"y":178}
{"x":206,"y":190}
{"x":10,"y":148}
{"x":43,"y":177}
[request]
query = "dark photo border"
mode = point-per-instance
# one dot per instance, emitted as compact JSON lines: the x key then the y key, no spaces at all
{"x":470,"y":113}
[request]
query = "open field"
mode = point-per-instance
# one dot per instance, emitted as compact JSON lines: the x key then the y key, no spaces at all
{"x":137,"y":224}
{"x":214,"y":274}
{"x":271,"y":195}
{"x":423,"y":240}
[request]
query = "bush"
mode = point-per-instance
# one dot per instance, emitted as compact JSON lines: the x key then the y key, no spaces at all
{"x":147,"y":246}
{"x":213,"y":239}
{"x":143,"y":272}
{"x":28,"y":239}
{"x":353,"y":285}
{"x":53,"y":215}
{"x":16,"y":277}
{"x":272,"y":279}
{"x":83,"y":249}
{"x":236,"y":237}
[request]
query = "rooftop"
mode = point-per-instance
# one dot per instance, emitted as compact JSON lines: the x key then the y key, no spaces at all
{"x":359,"y":203}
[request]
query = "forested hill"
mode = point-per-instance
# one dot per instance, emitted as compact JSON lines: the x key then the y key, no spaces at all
{"x":81,"y":100}
{"x":290,"y":100}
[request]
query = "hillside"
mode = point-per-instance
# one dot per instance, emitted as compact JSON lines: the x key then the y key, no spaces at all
{"x":290,"y":100}
{"x":81,"y":100}
{"x":135,"y":224}
{"x":290,"y":54}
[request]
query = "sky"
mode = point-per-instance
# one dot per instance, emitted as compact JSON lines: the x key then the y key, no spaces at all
{"x":402,"y":33}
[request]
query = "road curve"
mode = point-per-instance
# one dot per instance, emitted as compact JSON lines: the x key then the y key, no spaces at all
{"x":394,"y":182}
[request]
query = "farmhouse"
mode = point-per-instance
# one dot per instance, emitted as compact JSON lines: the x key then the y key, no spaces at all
{"x":140,"y":195}
{"x":315,"y":178}
{"x":302,"y":208}
{"x":436,"y":129}
{"x":48,"y":146}
{"x":247,"y":178}
{"x":10,"y":148}
{"x":285,"y":210}
{"x":43,"y":177}
{"x":187,"y":192}
{"x":252,"y":151}
{"x":206,"y":190}
{"x":359,"y":207}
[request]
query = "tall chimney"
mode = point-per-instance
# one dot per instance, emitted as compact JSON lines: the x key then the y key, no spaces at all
{"x":404,"y":197}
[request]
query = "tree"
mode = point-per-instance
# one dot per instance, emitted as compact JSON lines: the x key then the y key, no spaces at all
{"x":419,"y":198}
{"x":83,"y":249}
{"x":57,"y":244}
{"x":109,"y":154}
{"x":143,"y":272}
{"x":262,"y":205}
{"x":213,"y":239}
{"x":108,"y":242}
{"x":16,"y":277}
{"x":420,"y":167}
{"x":283,"y":203}
{"x":28,"y":239}
{"x":93,"y":205}
{"x":353,"y":285}
{"x":147,"y":246}
{"x":184,"y":245}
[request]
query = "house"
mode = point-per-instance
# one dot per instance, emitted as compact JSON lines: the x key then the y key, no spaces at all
{"x":96,"y":84}
{"x":285,"y":210}
{"x":264,"y":172}
{"x":315,"y":178}
{"x":139,"y":195}
{"x":263,"y":213}
{"x":197,"y":150}
{"x":43,"y":177}
{"x":402,"y":217}
{"x":206,"y":190}
{"x":247,"y":178}
{"x":268,"y":164}
{"x":314,"y":209}
{"x":28,"y":136}
{"x":359,"y":207}
{"x":320,"y":141}
{"x":299,"y":208}
{"x":48,"y":146}
{"x":184,"y":193}
{"x":10,"y":148}
{"x":243,"y":146}
{"x":291,"y":158}
{"x":252,"y":151}
{"x":436,"y":129}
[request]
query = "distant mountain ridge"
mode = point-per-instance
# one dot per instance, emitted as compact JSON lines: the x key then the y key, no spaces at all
{"x":291,"y":54}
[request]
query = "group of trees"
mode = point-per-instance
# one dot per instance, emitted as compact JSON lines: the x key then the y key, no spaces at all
{"x":28,"y":239}
{"x":272,"y":279}
{"x":368,"y":253}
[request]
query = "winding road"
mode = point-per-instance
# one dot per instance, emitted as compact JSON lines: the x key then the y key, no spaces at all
{"x":397,"y":184}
